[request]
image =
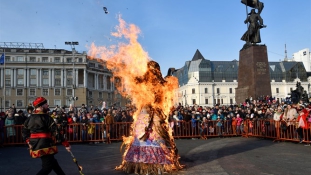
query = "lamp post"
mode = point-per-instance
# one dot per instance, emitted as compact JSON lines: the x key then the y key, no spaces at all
{"x":72,"y":45}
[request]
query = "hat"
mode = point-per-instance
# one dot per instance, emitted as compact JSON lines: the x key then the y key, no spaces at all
{"x":39,"y":101}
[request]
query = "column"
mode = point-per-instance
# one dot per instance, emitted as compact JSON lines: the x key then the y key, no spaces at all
{"x":2,"y":78}
{"x":76,"y":78}
{"x":51,"y":78}
{"x":65,"y":77}
{"x":105,"y":82}
{"x":62,"y":77}
{"x":96,"y":81}
{"x":85,"y":78}
{"x":38,"y":77}
{"x":25,"y":77}
{"x":12,"y":77}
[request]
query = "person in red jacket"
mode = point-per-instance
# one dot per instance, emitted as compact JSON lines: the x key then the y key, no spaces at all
{"x":38,"y":131}
{"x":302,"y":123}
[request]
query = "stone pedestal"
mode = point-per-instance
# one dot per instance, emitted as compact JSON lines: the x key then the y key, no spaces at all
{"x":253,"y":73}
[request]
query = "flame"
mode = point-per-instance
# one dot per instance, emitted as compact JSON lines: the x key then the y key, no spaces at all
{"x":128,"y":61}
{"x":140,"y":79}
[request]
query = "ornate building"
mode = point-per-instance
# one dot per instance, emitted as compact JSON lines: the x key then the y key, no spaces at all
{"x":206,"y":83}
{"x":63,"y":77}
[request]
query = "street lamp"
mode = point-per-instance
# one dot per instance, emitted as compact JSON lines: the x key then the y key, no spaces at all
{"x":72,"y":44}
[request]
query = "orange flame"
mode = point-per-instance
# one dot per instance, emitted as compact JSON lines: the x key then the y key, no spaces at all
{"x":127,"y":61}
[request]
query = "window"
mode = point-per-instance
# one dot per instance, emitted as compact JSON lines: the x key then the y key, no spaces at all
{"x":193,"y":101}
{"x":7,"y":58}
{"x":69,"y":92}
{"x":231,"y":101}
{"x":193,"y":90}
{"x":109,"y":95}
{"x":45,"y":92}
{"x":45,"y":59}
{"x":7,"y":91}
{"x":33,"y":81}
{"x":32,"y":92}
{"x":108,"y":83}
{"x":56,"y":91}
{"x":7,"y":103}
{"x":304,"y":53}
{"x":91,"y":64}
{"x":45,"y":72}
{"x":32,"y":59}
{"x":222,"y":101}
{"x":69,"y":81}
{"x":7,"y":82}
{"x":19,"y":103}
{"x":19,"y":92}
{"x":206,"y":101}
{"x":7,"y":71}
{"x":33,"y":71}
{"x":100,"y":81}
{"x":20,"y":58}
{"x":20,"y":71}
{"x":205,"y":90}
{"x":277,"y":90}
{"x":57,"y":59}
{"x":100,"y":94}
{"x":45,"y":81}
{"x":20,"y":81}
{"x":69,"y":60}
{"x":90,"y":94}
{"x":291,"y":89}
{"x":57,"y":81}
{"x":80,"y":60}
{"x":69,"y":72}
{"x":57,"y":72}
{"x":218,"y":91}
{"x":230,"y":90}
{"x":57,"y":102}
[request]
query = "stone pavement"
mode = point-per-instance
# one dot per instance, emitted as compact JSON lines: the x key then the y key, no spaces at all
{"x":216,"y":156}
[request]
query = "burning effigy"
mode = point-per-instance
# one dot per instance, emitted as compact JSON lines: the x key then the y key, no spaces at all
{"x":150,"y":149}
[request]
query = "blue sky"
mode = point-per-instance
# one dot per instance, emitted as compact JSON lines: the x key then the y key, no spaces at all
{"x":171,"y":30}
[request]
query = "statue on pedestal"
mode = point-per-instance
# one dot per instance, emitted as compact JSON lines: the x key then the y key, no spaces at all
{"x":254,"y":22}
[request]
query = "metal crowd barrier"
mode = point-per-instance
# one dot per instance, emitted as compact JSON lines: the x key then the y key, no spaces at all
{"x":99,"y":132}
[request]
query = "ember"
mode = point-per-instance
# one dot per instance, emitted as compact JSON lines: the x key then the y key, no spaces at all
{"x":150,"y":149}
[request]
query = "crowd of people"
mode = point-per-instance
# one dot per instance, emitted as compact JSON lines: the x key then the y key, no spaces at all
{"x":218,"y":119}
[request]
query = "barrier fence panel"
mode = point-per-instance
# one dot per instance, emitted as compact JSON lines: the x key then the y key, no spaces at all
{"x":100,"y":132}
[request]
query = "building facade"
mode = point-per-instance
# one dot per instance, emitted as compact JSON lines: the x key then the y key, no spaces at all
{"x":206,"y":83}
{"x":63,"y":77}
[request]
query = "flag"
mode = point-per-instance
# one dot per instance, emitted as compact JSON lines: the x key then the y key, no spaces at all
{"x":254,"y":4}
{"x":2,"y":59}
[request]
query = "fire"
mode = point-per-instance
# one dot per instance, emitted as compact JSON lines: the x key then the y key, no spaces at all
{"x":129,"y":61}
{"x":141,"y":79}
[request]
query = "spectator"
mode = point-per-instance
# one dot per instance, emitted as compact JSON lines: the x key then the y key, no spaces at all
{"x":84,"y":122}
{"x":204,"y":128}
{"x":9,"y":122}
{"x":277,"y":117}
{"x":1,"y":130}
{"x":83,"y":109}
{"x":90,"y":130}
{"x":109,"y":122}
{"x":239,"y":121}
{"x":302,"y":124}
{"x":193,"y":124}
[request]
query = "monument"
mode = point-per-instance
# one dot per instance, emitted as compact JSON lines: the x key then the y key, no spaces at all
{"x":253,"y":73}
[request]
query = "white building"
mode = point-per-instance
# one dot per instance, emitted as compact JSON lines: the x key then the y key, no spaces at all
{"x":303,"y":56}
{"x":206,"y":83}
{"x":30,"y":71}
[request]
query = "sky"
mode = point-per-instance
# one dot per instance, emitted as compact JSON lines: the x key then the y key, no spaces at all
{"x":171,"y":30}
